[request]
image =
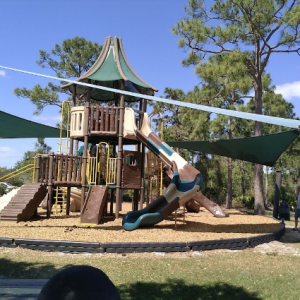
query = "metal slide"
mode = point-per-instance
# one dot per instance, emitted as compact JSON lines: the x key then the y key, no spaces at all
{"x":184,"y":185}
{"x":184,"y":168}
{"x":177,"y":193}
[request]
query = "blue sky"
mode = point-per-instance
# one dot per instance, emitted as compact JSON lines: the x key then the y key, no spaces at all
{"x":27,"y":26}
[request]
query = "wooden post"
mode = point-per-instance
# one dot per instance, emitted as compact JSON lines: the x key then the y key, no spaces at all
{"x":120,"y":153}
{"x":50,"y":178}
{"x":277,"y":194}
{"x":86,"y":141}
{"x":68,"y":201}
{"x":37,"y":169}
{"x":112,"y":193}
{"x":112,"y":197}
{"x":135,"y":199}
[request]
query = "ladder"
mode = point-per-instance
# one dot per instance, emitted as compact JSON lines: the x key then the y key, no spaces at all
{"x":64,"y":145}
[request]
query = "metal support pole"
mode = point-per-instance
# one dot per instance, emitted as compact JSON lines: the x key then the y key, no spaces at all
{"x":50,"y":178}
{"x":85,"y":149}
{"x":68,"y":201}
{"x":277,"y":194}
{"x":120,"y":153}
{"x":143,"y":107}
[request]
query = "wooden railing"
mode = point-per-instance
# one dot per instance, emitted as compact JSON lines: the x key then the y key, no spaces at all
{"x":104,"y":120}
{"x":60,"y":169}
{"x":66,"y":170}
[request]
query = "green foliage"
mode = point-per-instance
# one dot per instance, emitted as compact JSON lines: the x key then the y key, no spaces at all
{"x":288,"y":195}
{"x":217,"y":34}
{"x":246,"y":201}
{"x":71,"y":59}
{"x":127,"y":195}
{"x":2,"y":190}
{"x":40,"y":97}
{"x":28,"y":159}
{"x":215,"y":176}
{"x":41,"y":147}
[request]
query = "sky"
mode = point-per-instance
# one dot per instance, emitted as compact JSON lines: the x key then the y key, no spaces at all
{"x":145,"y":26}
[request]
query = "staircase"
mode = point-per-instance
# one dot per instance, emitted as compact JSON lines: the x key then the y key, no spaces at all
{"x":23,"y":205}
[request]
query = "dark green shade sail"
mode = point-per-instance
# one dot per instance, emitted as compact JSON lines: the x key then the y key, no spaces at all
{"x":12,"y":127}
{"x":264,"y":150}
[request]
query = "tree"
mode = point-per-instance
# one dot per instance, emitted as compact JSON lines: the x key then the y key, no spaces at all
{"x":248,"y":31}
{"x":69,"y":60}
{"x":275,"y":105}
{"x":168,"y":121}
{"x":223,"y":87}
{"x":41,"y":147}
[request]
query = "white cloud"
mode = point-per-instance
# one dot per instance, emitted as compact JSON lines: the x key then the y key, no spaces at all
{"x":2,"y":73}
{"x":289,"y":90}
{"x":8,"y":152}
{"x":47,"y":120}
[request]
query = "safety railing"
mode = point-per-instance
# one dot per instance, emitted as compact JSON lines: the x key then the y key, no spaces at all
{"x":111,"y":171}
{"x":18,"y":172}
{"x":66,"y":170}
{"x":64,"y":122}
{"x":60,"y":169}
{"x":104,"y":120}
{"x":92,"y":170}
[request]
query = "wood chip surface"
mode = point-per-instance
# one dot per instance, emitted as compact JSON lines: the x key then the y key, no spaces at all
{"x":196,"y":227}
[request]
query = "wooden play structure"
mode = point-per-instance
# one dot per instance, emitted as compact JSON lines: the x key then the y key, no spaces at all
{"x":99,"y":121}
{"x":96,"y":118}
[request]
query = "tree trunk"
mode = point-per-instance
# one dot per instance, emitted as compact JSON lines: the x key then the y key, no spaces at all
{"x":242,"y":179}
{"x":267,"y":188}
{"x":229,"y":184}
{"x":229,"y":172}
{"x":259,"y":207}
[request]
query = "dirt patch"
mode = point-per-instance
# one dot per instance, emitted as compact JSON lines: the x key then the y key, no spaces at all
{"x":288,"y":244}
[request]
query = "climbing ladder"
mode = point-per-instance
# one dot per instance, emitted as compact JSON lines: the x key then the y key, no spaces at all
{"x":61,"y":192}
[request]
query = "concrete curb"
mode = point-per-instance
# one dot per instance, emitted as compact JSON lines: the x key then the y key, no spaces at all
{"x":89,"y":247}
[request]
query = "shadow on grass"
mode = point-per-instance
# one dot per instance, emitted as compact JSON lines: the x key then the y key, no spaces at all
{"x":175,"y":289}
{"x":25,"y":270}
{"x":178,"y":290}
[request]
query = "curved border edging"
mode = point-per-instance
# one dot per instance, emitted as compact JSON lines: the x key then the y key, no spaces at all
{"x":92,"y":247}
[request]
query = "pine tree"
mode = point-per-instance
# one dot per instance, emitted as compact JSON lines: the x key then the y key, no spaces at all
{"x":249,"y":32}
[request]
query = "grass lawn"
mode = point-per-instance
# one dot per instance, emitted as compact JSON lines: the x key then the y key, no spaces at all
{"x":210,"y":275}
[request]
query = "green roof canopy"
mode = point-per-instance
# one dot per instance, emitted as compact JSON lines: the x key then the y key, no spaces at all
{"x":264,"y":150}
{"x":12,"y":127}
{"x":108,"y":70}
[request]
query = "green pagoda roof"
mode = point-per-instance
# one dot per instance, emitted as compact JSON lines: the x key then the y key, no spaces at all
{"x":109,"y":69}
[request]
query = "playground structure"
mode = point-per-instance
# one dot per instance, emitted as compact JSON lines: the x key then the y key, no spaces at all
{"x":104,"y":120}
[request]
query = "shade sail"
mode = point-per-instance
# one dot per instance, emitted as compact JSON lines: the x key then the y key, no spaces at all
{"x":12,"y":127}
{"x":264,"y":150}
{"x":108,"y":70}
